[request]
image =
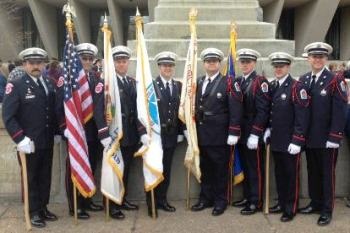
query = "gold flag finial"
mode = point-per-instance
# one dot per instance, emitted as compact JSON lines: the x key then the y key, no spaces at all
{"x":233,"y":26}
{"x":138,"y":19}
{"x":69,"y":11}
{"x":193,"y":17}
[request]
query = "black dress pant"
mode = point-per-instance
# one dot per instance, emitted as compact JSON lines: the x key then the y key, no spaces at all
{"x":39,"y":169}
{"x":253,"y":169}
{"x":161,"y":190}
{"x":321,"y":164}
{"x":214,"y":164}
{"x":287,"y":180}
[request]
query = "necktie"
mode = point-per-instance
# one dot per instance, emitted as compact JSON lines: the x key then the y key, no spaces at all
{"x":167,"y":90}
{"x":41,"y":86}
{"x":277,"y":85}
{"x":207,"y":87}
{"x":125,"y":83}
{"x":313,"y":81}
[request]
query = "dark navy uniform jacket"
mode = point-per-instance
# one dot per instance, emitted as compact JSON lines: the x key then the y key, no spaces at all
{"x":132,"y":127}
{"x":96,"y":128}
{"x":327,"y":109}
{"x":256,"y":106}
{"x":28,"y":111}
{"x":168,"y":112}
{"x":289,"y":117}
{"x":218,"y":111}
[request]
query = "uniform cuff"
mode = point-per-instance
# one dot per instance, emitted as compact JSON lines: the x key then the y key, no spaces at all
{"x":335,"y":137}
{"x":298,"y":139}
{"x":18,"y":136}
{"x":234,"y":130}
{"x":103,"y":133}
{"x":257,"y":130}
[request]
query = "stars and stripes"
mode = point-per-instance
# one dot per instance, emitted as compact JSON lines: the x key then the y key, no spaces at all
{"x":81,"y":173}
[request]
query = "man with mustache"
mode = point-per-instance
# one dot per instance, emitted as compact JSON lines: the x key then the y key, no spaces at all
{"x":29,"y":117}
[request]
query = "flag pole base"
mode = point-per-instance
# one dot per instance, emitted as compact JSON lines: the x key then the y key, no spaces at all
{"x":107,"y":209}
{"x":153,"y":205}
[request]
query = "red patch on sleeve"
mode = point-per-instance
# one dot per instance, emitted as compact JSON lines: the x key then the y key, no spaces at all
{"x":99,"y":88}
{"x":60,"y":82}
{"x":8,"y":88}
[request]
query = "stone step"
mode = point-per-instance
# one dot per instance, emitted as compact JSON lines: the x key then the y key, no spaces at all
{"x":209,"y":29}
{"x":213,"y":13}
{"x":180,"y":47}
{"x":298,"y":68}
{"x":198,"y":3}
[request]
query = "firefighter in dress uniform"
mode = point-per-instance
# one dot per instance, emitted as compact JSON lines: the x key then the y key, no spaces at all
{"x":287,"y":130}
{"x":328,"y":93}
{"x":218,"y":118}
{"x":28,"y":112}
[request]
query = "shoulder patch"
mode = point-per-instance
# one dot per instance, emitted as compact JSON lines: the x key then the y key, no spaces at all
{"x":8,"y":88}
{"x":60,"y":82}
{"x":98,"y":88}
{"x":303,"y":94}
{"x":264,"y":87}
{"x":237,"y":87}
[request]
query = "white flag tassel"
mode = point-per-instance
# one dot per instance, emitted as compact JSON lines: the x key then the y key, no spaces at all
{"x":148,"y":114}
{"x":187,"y":101}
{"x":112,"y":164}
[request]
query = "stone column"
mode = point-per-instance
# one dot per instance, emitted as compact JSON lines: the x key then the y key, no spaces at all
{"x":116,"y":20}
{"x":82,"y":21}
{"x":46,"y":21}
{"x":273,"y":11}
{"x":345,"y":34}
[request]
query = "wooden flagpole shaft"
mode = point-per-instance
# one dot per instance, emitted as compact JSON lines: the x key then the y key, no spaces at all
{"x":188,"y":186}
{"x":153,"y":205}
{"x":75,"y":204}
{"x":231,"y":173}
{"x":107,"y":209}
{"x":267,"y":180}
{"x":25,"y":190}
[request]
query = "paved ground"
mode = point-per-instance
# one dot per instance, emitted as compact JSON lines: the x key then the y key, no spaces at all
{"x":12,"y":221}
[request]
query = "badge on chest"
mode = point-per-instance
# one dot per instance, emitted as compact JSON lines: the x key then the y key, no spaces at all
{"x":29,"y":94}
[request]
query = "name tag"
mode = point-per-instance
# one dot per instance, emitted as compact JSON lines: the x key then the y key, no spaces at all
{"x":29,"y":97}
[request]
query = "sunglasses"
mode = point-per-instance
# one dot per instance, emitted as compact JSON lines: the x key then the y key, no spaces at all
{"x":87,"y":58}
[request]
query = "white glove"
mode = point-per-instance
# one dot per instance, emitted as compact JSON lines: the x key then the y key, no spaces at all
{"x":145,"y":139}
{"x":180,"y":138}
{"x":106,"y":141}
{"x":232,"y":140}
{"x":65,"y":133}
{"x":294,"y":149}
{"x":267,"y":134}
{"x":332,"y":145}
{"x":26,"y":146}
{"x":252,"y":142}
{"x":186,"y":134}
{"x":57,"y":139}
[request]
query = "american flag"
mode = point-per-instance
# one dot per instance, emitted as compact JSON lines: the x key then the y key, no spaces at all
{"x":81,"y":173}
{"x":85,"y":96}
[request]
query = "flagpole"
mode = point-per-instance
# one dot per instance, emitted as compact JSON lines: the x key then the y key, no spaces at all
{"x":267,"y":180}
{"x":75,"y":204}
{"x":25,"y":190}
{"x":69,"y":11}
{"x":138,"y":22}
{"x":188,"y":189}
{"x":232,"y":157}
{"x":107,"y":208}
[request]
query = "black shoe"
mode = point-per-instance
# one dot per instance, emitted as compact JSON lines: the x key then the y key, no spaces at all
{"x":81,"y":214}
{"x":150,"y":212}
{"x":309,"y":209}
{"x":166,"y":207}
{"x":275,"y":209}
{"x":286,"y":217}
{"x":200,"y":206}
{"x":117,"y":214}
{"x":128,"y":206}
{"x":37,"y":221}
{"x":94,"y":207}
{"x":249,"y":209}
{"x":240,"y":203}
{"x":47,"y":215}
{"x":324,"y":219}
{"x":218,"y":211}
